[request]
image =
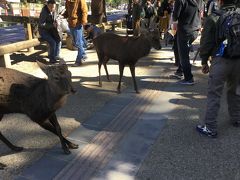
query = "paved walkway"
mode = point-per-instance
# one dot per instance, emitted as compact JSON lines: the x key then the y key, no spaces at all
{"x":148,"y":136}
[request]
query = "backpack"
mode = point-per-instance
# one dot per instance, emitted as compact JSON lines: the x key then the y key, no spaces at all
{"x":228,"y":32}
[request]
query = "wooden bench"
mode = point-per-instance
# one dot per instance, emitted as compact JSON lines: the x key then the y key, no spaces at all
{"x":6,"y":50}
{"x":111,"y":25}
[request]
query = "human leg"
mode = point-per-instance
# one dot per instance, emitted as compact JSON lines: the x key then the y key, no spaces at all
{"x":184,"y":42}
{"x":217,"y":78}
{"x":77,"y":39}
{"x":52,"y":45}
{"x":58,"y":48}
{"x":233,"y":97}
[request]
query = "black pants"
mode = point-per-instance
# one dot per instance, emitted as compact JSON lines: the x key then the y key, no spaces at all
{"x":184,"y":42}
{"x":176,"y":55}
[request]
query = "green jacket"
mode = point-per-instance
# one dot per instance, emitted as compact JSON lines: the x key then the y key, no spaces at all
{"x":209,"y":43}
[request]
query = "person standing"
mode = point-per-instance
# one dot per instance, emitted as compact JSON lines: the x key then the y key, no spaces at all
{"x":98,"y":9}
{"x":48,"y":30}
{"x":76,"y":14}
{"x":136,"y":17}
{"x":149,"y":13}
{"x":223,"y":69}
{"x":187,"y":14}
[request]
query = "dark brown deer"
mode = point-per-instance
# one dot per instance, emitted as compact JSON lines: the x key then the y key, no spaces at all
{"x":37,"y":98}
{"x":126,"y":50}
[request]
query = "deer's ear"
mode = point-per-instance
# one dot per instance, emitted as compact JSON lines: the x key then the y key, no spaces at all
{"x":43,"y":67}
{"x":63,"y":64}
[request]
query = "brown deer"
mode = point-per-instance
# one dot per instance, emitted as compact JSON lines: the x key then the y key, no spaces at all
{"x":126,"y":50}
{"x":37,"y":98}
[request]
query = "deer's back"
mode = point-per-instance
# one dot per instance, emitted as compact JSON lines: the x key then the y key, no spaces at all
{"x":15,"y":88}
{"x":126,"y":49}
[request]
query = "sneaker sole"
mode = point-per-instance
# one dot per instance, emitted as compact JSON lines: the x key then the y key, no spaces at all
{"x":208,"y":135}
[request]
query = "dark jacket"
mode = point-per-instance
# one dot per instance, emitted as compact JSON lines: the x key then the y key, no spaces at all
{"x":187,"y":13}
{"x":46,"y":21}
{"x":209,"y":43}
{"x":136,"y":11}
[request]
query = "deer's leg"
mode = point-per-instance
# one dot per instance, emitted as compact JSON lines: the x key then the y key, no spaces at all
{"x":48,"y":126}
{"x":100,"y":62}
{"x":132,"y":69}
{"x":106,"y":59}
{"x":53,"y":120}
{"x":8,"y":143}
{"x":2,"y":166}
{"x":121,"y":68}
{"x":99,"y":73}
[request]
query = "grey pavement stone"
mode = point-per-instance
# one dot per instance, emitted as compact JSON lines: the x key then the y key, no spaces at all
{"x":45,"y":168}
{"x":57,"y":152}
{"x":98,"y":121}
{"x":128,"y":155}
{"x":84,"y":133}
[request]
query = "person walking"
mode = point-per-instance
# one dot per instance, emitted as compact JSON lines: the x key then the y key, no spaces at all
{"x":48,"y":30}
{"x":76,"y":14}
{"x":223,"y":69}
{"x":187,"y":14}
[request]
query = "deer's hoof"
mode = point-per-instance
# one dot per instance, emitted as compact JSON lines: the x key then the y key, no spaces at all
{"x":17,"y":149}
{"x":73,"y":146}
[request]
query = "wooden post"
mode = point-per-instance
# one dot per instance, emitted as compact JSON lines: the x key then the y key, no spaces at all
{"x":5,"y":60}
{"x":29,"y":34}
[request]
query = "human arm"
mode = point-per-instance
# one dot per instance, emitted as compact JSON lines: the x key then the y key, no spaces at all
{"x":208,"y":41}
{"x":178,"y":5}
{"x":84,"y":12}
{"x":44,"y":20}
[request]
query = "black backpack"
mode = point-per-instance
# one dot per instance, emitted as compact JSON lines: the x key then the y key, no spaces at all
{"x":228,"y":32}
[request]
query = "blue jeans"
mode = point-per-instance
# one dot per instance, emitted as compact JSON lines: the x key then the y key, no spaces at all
{"x":54,"y":45}
{"x":77,"y":34}
{"x":184,"y":42}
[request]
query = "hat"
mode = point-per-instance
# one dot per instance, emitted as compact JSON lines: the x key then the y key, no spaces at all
{"x":51,"y":2}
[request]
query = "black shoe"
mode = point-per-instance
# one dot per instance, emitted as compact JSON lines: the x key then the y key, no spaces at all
{"x":186,"y":82}
{"x":77,"y":64}
{"x":53,"y":62}
{"x":59,"y":58}
{"x":202,"y":129}
{"x":176,"y":75}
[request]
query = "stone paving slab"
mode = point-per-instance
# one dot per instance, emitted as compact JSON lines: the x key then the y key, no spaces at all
{"x":85,"y":165}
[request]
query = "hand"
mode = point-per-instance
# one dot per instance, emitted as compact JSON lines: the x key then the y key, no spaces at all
{"x":205,"y":68}
{"x":55,"y":24}
{"x":174,"y":26}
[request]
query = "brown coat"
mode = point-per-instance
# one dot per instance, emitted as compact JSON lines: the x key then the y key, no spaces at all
{"x":76,"y":12}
